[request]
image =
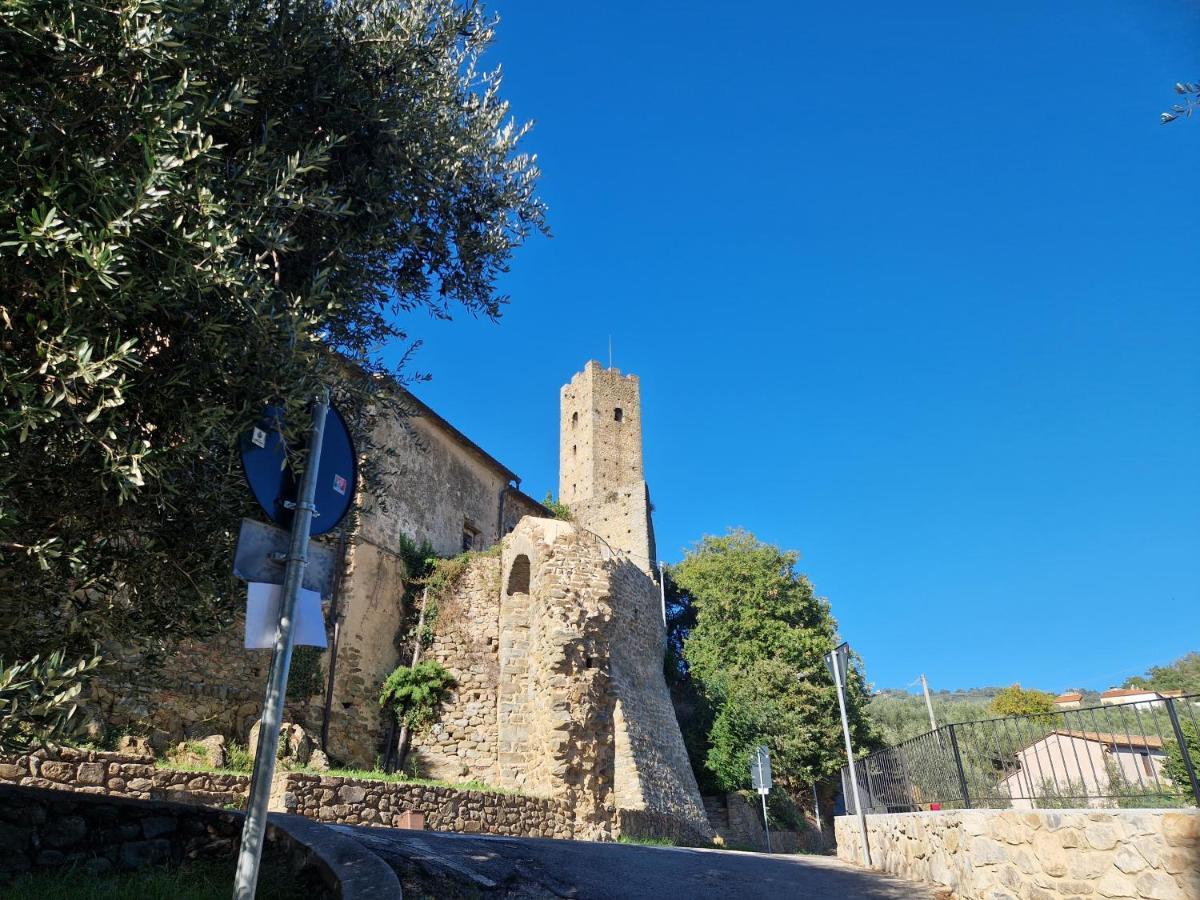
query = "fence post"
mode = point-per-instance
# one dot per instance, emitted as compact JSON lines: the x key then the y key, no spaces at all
{"x":1188,"y":762}
{"x":962,"y":775}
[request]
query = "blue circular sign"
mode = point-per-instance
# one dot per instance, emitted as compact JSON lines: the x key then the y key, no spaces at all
{"x":274,"y":484}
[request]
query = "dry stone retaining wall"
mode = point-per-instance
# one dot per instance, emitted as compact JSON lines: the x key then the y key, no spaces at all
{"x":121,"y":775}
{"x":352,"y":801}
{"x":1042,"y":855}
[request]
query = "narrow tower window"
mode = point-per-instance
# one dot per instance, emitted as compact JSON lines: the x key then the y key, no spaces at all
{"x":574,"y":419}
{"x":618,"y":414}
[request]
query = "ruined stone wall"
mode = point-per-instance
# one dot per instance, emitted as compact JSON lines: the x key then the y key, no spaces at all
{"x":1044,"y":855}
{"x":462,"y":746}
{"x":562,"y":744}
{"x":652,"y":765}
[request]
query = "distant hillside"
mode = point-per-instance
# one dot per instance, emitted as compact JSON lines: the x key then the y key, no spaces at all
{"x":901,"y":714}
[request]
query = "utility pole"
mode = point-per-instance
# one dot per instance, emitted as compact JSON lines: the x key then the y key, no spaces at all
{"x":928,"y":703}
{"x":838,"y":661}
{"x":662,"y":590}
{"x":255,"y":827}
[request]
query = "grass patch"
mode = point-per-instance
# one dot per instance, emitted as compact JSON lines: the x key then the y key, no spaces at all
{"x":646,"y":841}
{"x":195,"y":880}
{"x":401,"y":778}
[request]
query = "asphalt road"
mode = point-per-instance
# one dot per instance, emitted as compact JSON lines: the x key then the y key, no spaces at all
{"x":451,"y":866}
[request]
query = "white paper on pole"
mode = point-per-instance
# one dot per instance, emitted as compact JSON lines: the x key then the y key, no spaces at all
{"x":262,"y":617}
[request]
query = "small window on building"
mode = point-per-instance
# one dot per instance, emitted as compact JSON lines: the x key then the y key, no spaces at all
{"x":574,"y":419}
{"x":1147,"y":766}
{"x":574,"y":449}
{"x":470,"y":537}
{"x":618,"y":414}
{"x":518,"y":576}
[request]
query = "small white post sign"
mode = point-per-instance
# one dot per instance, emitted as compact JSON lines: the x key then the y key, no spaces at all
{"x":760,"y":777}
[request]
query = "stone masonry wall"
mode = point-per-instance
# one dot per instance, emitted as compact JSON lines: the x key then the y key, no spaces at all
{"x":1042,"y":855}
{"x":121,"y":775}
{"x":650,"y":746}
{"x":41,"y":829}
{"x":462,"y":745}
{"x":350,"y":801}
{"x":601,"y":473}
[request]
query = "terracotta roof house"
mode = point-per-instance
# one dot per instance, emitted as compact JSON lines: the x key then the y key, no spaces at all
{"x":1080,"y":767}
{"x":1069,"y":700}
{"x":1145,"y":698}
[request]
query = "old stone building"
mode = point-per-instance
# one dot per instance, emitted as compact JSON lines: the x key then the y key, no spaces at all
{"x":556,"y":637}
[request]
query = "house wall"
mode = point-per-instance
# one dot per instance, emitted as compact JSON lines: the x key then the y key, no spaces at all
{"x":433,"y":484}
{"x":1069,"y":765}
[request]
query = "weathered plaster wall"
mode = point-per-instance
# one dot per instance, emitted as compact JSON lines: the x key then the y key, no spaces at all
{"x":371,"y":609}
{"x":432,"y":487}
{"x":1042,"y":855}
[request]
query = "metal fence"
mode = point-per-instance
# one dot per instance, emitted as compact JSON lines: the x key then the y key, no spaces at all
{"x":1137,"y":754}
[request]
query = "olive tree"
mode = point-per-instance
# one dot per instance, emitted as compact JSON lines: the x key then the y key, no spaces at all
{"x":208,"y":205}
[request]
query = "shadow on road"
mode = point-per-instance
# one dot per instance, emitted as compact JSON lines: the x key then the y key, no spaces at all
{"x":435,"y":864}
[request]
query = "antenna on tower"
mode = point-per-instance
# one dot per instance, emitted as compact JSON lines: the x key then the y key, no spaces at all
{"x":610,"y":351}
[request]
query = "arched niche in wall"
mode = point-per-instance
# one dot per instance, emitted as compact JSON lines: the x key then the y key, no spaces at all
{"x":518,"y":576}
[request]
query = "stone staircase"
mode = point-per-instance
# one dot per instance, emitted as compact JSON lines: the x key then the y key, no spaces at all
{"x":717,"y":812}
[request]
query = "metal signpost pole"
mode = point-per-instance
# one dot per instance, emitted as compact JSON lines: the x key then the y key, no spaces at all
{"x":838,"y":680}
{"x":928,"y":703}
{"x":254,"y":830}
{"x":766,"y":824}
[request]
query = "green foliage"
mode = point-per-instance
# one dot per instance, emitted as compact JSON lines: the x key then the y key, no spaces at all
{"x":558,"y":510}
{"x":440,"y":581}
{"x":645,"y":841}
{"x":208,"y":205}
{"x":900,"y":715}
{"x":1181,"y":675}
{"x":1190,"y":92}
{"x":413,"y":695}
{"x":1174,"y":766}
{"x":753,"y":639}
{"x":194,"y":880}
{"x":305,"y":678}
{"x":418,"y":559}
{"x":38,"y":700}
{"x":1018,"y":701}
{"x":238,"y":758}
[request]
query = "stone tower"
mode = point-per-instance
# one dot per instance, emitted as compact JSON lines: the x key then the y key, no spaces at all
{"x":601,"y":477}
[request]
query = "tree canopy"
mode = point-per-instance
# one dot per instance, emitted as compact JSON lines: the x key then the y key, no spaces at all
{"x":1181,"y":675}
{"x":753,"y":635}
{"x":209,"y":205}
{"x":1018,"y":701}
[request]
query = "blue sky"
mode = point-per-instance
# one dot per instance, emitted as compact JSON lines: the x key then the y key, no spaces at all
{"x":911,"y":288}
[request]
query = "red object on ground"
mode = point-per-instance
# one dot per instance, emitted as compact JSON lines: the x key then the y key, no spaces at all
{"x":935,"y":807}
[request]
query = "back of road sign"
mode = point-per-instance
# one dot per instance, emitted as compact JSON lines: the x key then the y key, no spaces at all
{"x":760,"y":769}
{"x":273,"y":483}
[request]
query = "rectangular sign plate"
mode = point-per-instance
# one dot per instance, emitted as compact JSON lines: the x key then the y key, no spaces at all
{"x":258,"y":542}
